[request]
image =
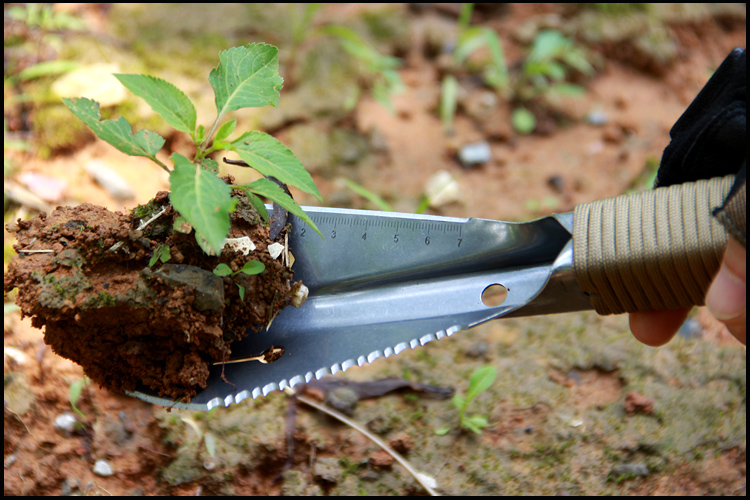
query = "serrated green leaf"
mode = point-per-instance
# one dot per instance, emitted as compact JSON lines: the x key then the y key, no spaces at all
{"x":246,"y":77}
{"x":148,"y":140}
{"x":167,"y":100}
{"x":271,"y":158}
{"x":203,"y":199}
{"x":224,"y":132}
{"x":272,"y":191}
{"x":118,"y":132}
{"x":253,"y":267}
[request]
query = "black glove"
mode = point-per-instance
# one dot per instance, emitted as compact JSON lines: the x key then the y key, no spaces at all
{"x":710,"y":140}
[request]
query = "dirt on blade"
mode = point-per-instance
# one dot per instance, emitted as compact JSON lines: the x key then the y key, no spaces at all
{"x":137,"y":303}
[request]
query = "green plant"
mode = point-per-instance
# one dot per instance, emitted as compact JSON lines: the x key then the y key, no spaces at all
{"x":542,"y":74}
{"x":74,"y":394}
{"x":549,"y":62}
{"x":161,"y":254}
{"x":250,"y":268}
{"x":369,"y":196}
{"x":471,"y":39}
{"x":246,"y":76}
{"x":387,"y":81}
{"x":480,"y":381}
{"x":43,"y":16}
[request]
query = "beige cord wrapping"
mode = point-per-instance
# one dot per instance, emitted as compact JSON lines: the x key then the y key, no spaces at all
{"x":650,"y":251}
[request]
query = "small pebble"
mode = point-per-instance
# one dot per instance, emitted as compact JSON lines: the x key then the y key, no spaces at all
{"x":275,"y":250}
{"x":344,"y":399}
{"x":10,"y":460}
{"x":69,"y":486}
{"x":475,"y":154}
{"x":633,"y":469}
{"x":478,"y":349}
{"x":597,"y":117}
{"x":65,"y":423}
{"x":102,"y":468}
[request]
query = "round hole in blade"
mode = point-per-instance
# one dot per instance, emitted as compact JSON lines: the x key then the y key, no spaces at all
{"x":494,"y":295}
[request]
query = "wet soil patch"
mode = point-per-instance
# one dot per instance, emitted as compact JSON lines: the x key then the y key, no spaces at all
{"x":137,"y":303}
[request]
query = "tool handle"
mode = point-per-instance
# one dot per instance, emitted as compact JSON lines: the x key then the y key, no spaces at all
{"x":654,"y":250}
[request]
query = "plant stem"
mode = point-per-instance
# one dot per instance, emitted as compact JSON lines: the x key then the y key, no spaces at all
{"x":210,"y":134}
{"x":163,"y":166}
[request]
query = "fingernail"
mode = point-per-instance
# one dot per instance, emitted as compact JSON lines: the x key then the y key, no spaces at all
{"x":726,"y":297}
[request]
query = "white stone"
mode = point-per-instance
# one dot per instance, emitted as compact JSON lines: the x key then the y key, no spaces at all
{"x":300,"y":295}
{"x":244,"y":244}
{"x":65,"y":423}
{"x":442,"y":189}
{"x":102,"y":468}
{"x":275,"y":249}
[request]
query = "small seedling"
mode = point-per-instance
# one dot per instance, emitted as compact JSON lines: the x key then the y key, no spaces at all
{"x":551,"y":58}
{"x":369,"y":196}
{"x":246,"y":77}
{"x":161,"y":254}
{"x":480,"y":381}
{"x":75,"y":394}
{"x":387,"y":81}
{"x":250,"y":268}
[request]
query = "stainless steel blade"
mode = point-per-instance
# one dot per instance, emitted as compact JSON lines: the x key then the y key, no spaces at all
{"x":383,"y":282}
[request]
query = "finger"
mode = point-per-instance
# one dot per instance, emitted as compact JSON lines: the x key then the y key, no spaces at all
{"x":656,"y":328}
{"x":726,"y":299}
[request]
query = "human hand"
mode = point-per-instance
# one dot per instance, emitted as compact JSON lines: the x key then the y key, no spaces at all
{"x":726,"y":300}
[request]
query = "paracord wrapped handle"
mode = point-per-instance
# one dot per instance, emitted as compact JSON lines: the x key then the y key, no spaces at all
{"x":647,"y":251}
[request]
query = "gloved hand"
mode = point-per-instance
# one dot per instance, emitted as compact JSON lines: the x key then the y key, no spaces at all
{"x":710,"y":140}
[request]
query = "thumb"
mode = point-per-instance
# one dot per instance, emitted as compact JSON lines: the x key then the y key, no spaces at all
{"x":726,"y":298}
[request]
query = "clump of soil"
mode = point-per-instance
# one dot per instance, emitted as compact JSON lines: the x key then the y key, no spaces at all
{"x":89,"y":276}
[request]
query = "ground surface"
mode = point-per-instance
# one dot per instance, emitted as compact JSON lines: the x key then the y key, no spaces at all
{"x":579,"y":407}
